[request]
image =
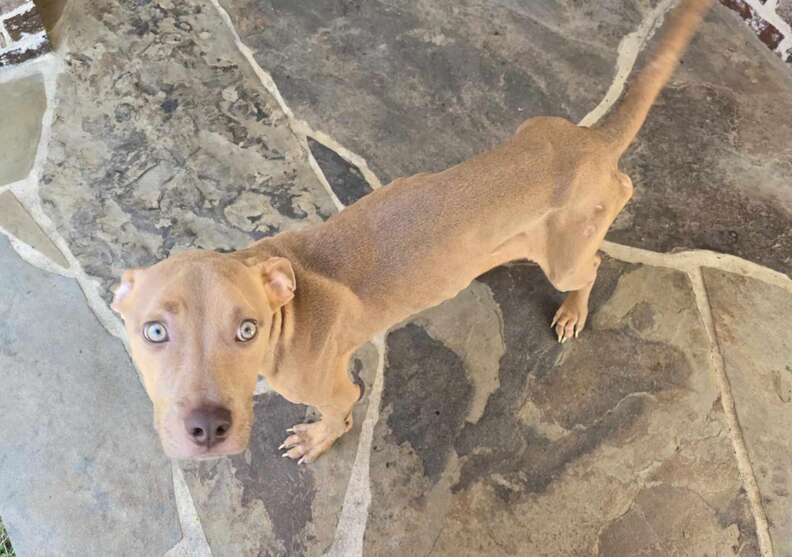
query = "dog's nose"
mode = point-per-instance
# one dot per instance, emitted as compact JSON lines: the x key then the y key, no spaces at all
{"x":208,"y":425}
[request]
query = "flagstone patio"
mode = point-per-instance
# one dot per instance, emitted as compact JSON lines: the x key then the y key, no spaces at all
{"x":157,"y":126}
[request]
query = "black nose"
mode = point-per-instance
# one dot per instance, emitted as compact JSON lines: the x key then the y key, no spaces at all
{"x":208,"y":425}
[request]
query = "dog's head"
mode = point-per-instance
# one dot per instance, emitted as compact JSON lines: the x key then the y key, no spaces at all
{"x":199,"y":328}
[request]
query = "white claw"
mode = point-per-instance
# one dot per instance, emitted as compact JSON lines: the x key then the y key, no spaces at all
{"x":301,"y":460}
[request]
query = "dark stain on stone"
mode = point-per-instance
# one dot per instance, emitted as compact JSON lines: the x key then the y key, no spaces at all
{"x":169,"y":105}
{"x":595,"y":376}
{"x":738,"y":512}
{"x":428,"y":393}
{"x":347,"y":181}
{"x":597,"y":387}
{"x":666,"y":520}
{"x":286,"y":489}
{"x":641,"y":317}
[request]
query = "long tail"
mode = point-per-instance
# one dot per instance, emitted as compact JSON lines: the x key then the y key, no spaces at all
{"x":621,"y":125}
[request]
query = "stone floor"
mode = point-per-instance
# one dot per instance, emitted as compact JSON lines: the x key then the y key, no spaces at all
{"x":158,"y":125}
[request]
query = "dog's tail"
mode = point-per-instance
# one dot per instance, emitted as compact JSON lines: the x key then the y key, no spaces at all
{"x":621,"y":125}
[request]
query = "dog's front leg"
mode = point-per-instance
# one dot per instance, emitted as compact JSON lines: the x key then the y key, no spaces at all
{"x":308,"y":441}
{"x":571,"y":317}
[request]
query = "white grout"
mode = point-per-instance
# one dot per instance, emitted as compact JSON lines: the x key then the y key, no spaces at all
{"x":688,"y":261}
{"x":744,"y":466}
{"x":5,"y":36}
{"x":29,"y":41}
{"x":193,"y":542}
{"x":301,"y":128}
{"x":629,"y":48}
{"x":352,"y":523}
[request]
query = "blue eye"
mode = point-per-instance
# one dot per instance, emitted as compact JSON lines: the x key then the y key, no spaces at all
{"x":155,"y":332}
{"x":247,"y":330}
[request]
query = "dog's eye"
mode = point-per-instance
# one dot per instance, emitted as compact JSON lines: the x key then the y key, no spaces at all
{"x":155,"y":332}
{"x":247,"y":330}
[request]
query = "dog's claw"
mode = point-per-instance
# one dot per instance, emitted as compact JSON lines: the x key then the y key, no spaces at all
{"x":308,"y":441}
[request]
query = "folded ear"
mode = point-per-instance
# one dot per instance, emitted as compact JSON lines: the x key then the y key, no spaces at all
{"x":123,"y":290}
{"x":279,"y":281}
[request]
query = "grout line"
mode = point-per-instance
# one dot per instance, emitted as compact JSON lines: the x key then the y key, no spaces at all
{"x":40,"y":64}
{"x":5,"y":35}
{"x":301,"y":128}
{"x":193,"y":542}
{"x":29,"y":41}
{"x":629,"y":48}
{"x":353,"y":520}
{"x":34,"y":257}
{"x":688,"y":261}
{"x":742,"y":457}
{"x":27,"y":192}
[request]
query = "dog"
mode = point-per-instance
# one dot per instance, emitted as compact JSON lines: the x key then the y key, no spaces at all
{"x":202,"y":326}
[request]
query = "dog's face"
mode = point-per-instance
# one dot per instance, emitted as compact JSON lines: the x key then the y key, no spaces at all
{"x":199,"y":330}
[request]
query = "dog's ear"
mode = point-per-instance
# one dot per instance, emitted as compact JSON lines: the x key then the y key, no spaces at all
{"x":279,"y":281}
{"x":123,"y":290}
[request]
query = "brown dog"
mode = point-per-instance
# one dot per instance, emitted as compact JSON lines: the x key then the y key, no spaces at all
{"x":202,"y":326}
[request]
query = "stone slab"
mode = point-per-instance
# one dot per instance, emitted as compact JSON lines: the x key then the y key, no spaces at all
{"x":24,"y":103}
{"x":164,"y":139}
{"x":259,"y":503}
{"x":420,"y":86}
{"x":15,"y":220}
{"x":753,"y":324}
{"x":83,"y":472}
{"x":611,"y":445}
{"x":713,"y":164}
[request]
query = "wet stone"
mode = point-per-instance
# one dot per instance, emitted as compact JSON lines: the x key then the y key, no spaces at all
{"x":753,"y":324}
{"x":580,"y":447}
{"x":165,"y":140}
{"x":347,"y":182}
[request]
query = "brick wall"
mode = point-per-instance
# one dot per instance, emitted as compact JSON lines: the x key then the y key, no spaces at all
{"x":771,"y":20}
{"x":22,"y":34}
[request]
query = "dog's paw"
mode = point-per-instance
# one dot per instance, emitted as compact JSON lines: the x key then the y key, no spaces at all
{"x":569,"y":320}
{"x":308,"y":441}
